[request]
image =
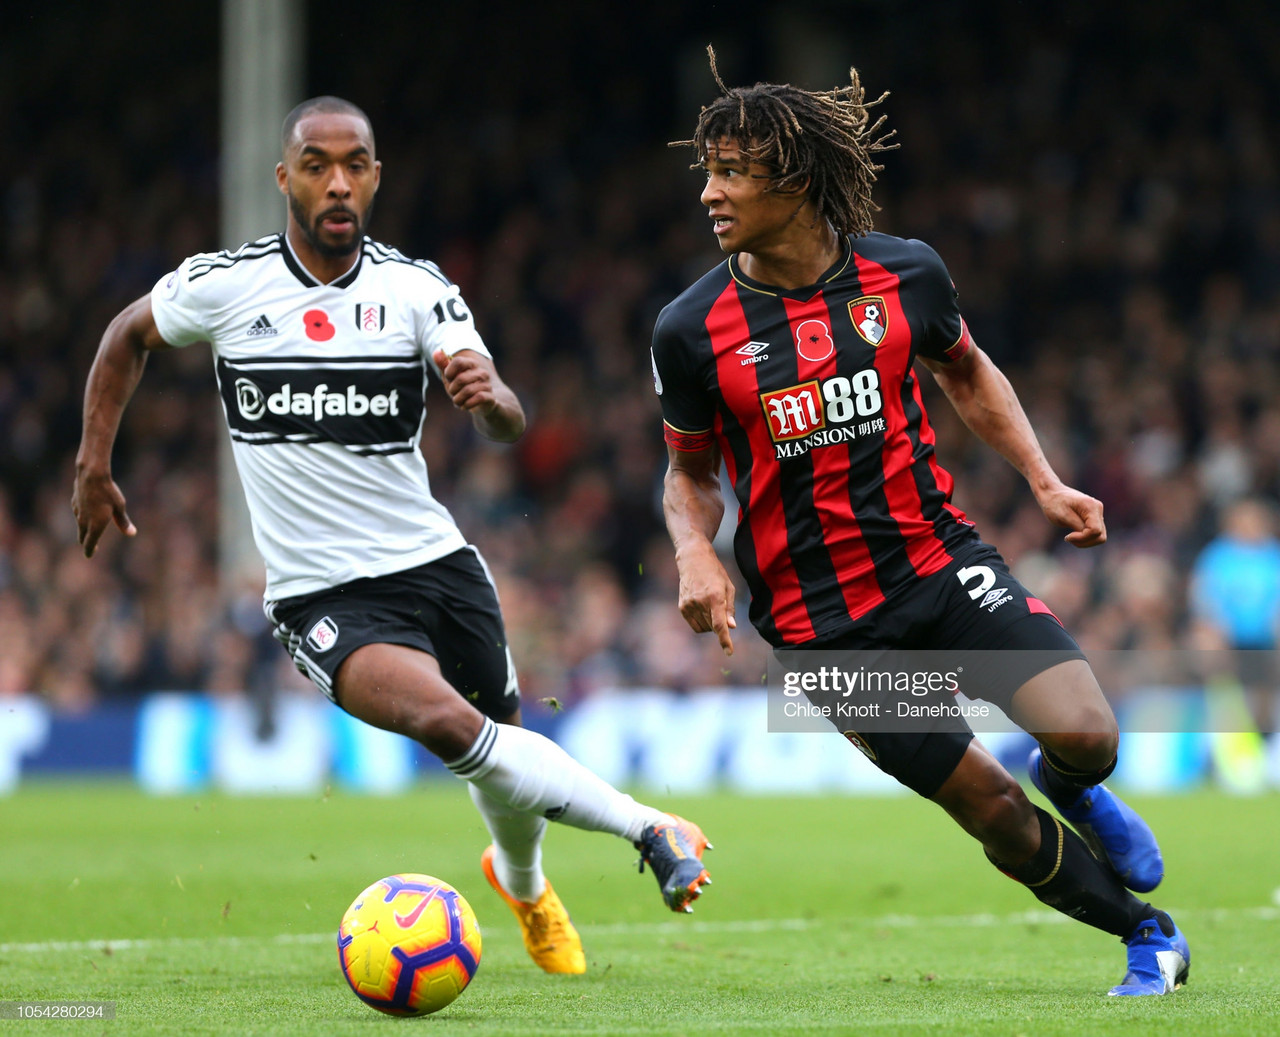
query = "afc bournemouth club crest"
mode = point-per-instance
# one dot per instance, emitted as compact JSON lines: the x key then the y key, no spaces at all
{"x":869,"y":318}
{"x":861,"y":744}
{"x":371,"y":317}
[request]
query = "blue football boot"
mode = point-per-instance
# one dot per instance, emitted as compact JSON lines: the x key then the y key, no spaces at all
{"x":673,"y":850}
{"x":1158,"y":964}
{"x":1110,"y":828}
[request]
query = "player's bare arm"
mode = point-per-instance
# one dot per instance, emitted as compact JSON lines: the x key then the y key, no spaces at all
{"x":986,"y":402}
{"x":117,"y":369}
{"x":693,"y":506}
{"x":473,"y":384}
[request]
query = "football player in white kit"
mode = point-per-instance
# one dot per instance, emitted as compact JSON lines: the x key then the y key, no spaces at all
{"x":322,"y":342}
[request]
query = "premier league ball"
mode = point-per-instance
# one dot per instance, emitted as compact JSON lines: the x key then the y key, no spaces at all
{"x":409,"y":945}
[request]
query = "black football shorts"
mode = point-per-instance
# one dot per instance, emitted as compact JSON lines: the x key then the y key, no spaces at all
{"x":447,"y":608}
{"x":1001,"y":636}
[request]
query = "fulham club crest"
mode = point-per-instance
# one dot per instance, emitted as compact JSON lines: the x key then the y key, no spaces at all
{"x":371,"y":317}
{"x":324,"y":635}
{"x":870,"y":318}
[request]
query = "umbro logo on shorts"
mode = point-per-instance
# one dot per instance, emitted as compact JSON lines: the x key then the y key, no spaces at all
{"x":324,"y":635}
{"x":986,"y":594}
{"x":994,"y":598}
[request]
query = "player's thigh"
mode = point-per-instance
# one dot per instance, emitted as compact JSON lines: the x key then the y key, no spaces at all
{"x":1065,"y":709}
{"x":471,"y":638}
{"x":320,"y":630}
{"x":1017,"y":655}
{"x":917,"y":739}
{"x":368,"y":646}
{"x":995,"y":631}
{"x":401,"y":689}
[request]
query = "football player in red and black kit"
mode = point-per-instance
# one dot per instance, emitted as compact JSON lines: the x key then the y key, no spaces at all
{"x":793,"y":361}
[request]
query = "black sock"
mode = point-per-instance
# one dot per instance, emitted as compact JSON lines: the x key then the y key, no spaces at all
{"x":1067,"y":877}
{"x":1063,"y":782}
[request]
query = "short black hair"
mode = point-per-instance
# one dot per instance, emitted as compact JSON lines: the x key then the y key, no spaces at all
{"x":323,"y":103}
{"x":822,"y":138}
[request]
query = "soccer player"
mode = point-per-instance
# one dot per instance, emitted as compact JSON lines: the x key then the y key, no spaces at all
{"x":793,"y":361}
{"x":322,"y":342}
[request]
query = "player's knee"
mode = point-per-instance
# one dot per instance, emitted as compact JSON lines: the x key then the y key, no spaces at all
{"x":1001,"y":816}
{"x":984,"y":799}
{"x":446,"y":729}
{"x":1005,"y":813}
{"x":992,"y":808}
{"x":1090,"y":749}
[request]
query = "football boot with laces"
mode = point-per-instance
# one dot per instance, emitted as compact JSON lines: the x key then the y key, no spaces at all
{"x":549,"y":936}
{"x":1159,"y":959}
{"x":673,"y":850}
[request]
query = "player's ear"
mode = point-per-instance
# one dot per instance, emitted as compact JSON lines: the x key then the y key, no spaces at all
{"x":377,"y":174}
{"x":282,"y":178}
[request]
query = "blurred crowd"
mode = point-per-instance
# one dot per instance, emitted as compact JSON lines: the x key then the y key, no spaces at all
{"x":1103,"y":190}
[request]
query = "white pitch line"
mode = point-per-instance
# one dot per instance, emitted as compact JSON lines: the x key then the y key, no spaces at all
{"x":674,"y":927}
{"x":167,"y":941}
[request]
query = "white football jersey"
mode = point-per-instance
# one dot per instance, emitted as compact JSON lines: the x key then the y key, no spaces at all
{"x":323,"y":390}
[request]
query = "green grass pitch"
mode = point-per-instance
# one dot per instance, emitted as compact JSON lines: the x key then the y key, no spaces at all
{"x":212,"y":915}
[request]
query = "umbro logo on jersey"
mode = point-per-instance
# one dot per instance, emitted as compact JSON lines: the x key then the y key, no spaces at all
{"x":262,"y":326}
{"x":754,"y":352}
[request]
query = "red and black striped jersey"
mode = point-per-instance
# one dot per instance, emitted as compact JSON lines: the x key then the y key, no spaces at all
{"x":811,"y":397}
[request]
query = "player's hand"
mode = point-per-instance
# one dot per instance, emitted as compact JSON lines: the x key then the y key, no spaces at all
{"x":468,"y":379}
{"x":1077,"y":512}
{"x":706,"y":598}
{"x":97,"y":501}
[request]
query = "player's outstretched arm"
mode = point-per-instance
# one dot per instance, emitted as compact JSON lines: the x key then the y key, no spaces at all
{"x":122,"y":356}
{"x":986,"y":402}
{"x":472,"y":382}
{"x":693,"y":506}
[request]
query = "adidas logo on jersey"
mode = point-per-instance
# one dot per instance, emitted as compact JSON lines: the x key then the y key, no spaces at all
{"x":262,"y":326}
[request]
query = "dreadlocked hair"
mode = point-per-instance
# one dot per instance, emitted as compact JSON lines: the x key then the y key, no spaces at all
{"x":822,"y":137}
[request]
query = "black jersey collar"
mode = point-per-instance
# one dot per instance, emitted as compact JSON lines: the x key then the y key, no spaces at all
{"x":304,"y":275}
{"x":830,"y":274}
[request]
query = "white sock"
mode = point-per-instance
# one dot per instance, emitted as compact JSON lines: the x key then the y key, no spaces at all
{"x":531,"y":773}
{"x":517,"y":844}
